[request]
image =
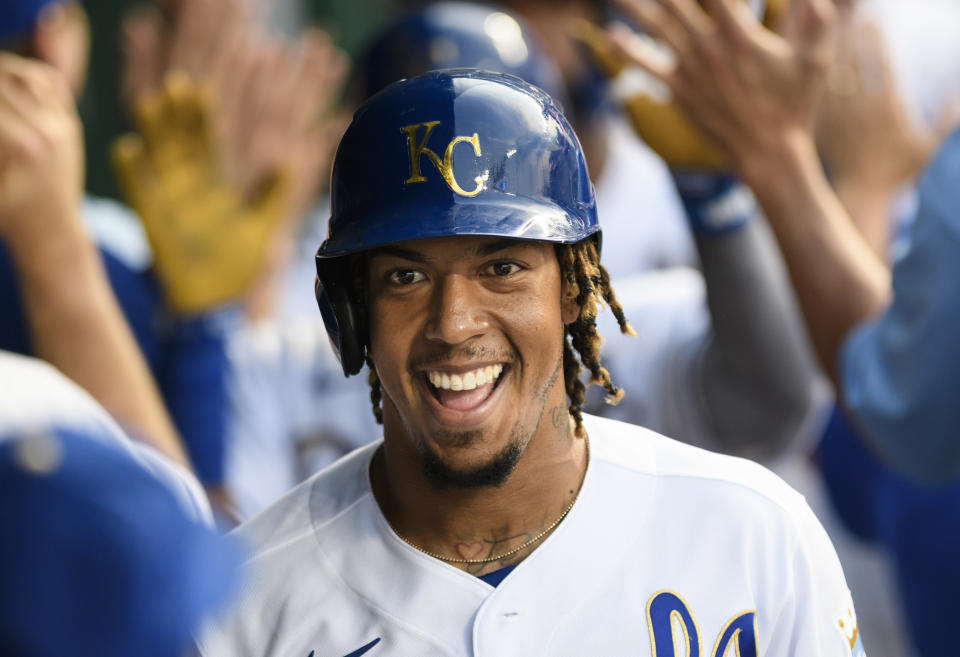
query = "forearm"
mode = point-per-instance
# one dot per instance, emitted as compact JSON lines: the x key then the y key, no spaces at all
{"x":76,"y":325}
{"x":758,"y":374}
{"x":838,"y":279}
{"x":869,"y":209}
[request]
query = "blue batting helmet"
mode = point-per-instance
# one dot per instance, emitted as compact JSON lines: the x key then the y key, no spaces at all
{"x":453,"y":152}
{"x":457,"y":35}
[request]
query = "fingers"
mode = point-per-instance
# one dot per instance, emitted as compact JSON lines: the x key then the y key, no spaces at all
{"x":198,"y":34}
{"x":14,"y":132}
{"x":734,"y":18}
{"x":658,"y":23}
{"x":323,"y":70}
{"x":43,"y":83}
{"x":809,"y":22}
{"x":690,"y":16}
{"x":234,"y":43}
{"x":133,"y":169}
{"x":142,"y":45}
{"x":639,"y":51}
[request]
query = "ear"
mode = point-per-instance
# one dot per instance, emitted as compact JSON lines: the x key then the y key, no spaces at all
{"x":569,"y":308}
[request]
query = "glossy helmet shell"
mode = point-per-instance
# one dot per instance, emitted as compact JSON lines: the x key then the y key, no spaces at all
{"x":451,"y":152}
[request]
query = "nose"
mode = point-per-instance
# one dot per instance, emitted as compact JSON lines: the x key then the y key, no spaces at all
{"x":456,"y":312}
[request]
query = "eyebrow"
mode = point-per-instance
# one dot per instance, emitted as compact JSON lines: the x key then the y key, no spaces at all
{"x":493,"y":247}
{"x":399,"y":252}
{"x":481,"y":251}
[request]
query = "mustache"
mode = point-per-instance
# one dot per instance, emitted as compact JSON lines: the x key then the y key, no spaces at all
{"x":466,"y":353}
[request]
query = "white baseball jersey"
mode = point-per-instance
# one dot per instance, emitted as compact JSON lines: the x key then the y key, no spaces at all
{"x":668,"y":550}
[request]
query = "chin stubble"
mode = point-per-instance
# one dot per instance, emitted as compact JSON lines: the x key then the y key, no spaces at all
{"x":495,"y":472}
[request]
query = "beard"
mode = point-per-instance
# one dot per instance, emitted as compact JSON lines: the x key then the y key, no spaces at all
{"x":491,"y":474}
{"x":495,"y":472}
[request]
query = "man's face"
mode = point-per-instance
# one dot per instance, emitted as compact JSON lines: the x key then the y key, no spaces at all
{"x":467,"y":337}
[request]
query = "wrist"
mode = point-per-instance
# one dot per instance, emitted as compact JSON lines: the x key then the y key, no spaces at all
{"x":765,"y":163}
{"x":782,"y":170}
{"x":42,"y":243}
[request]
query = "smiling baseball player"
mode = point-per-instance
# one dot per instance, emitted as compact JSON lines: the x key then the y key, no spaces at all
{"x":494,"y":518}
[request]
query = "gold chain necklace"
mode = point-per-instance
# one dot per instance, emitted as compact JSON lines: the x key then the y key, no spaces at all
{"x":512,"y":552}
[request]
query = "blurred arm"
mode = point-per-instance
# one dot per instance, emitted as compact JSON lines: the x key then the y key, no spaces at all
{"x":758,"y":374}
{"x":898,"y":373}
{"x":839,"y":279}
{"x":74,"y":320}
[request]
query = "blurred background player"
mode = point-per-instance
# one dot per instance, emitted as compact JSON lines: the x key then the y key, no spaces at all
{"x":841,"y":280}
{"x":184,"y":291}
{"x":98,"y":555}
{"x":54,"y":36}
{"x":68,"y":314}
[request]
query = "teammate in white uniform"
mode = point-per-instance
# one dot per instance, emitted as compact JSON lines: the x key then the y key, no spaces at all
{"x":494,"y":518}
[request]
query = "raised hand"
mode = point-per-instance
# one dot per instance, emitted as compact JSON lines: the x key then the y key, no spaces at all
{"x":746,"y":87}
{"x":41,"y":151}
{"x":208,"y":241}
{"x":865,"y":132}
{"x":267,"y":110}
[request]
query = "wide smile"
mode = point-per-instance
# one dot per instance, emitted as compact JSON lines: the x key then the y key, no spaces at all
{"x":464,"y":396}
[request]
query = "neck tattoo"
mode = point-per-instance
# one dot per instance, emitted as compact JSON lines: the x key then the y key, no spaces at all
{"x":524,"y":546}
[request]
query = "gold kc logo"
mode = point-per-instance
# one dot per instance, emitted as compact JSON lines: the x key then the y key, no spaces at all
{"x":444,"y":166}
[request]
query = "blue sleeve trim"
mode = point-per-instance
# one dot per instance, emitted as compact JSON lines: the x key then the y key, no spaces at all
{"x":715,"y":202}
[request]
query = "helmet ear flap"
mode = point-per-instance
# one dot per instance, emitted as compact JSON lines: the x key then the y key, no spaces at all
{"x":341,"y":315}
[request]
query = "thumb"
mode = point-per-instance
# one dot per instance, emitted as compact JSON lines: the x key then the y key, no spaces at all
{"x":272,"y":202}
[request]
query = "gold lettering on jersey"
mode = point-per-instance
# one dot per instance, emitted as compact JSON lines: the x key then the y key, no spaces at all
{"x":853,"y":633}
{"x":418,"y":149}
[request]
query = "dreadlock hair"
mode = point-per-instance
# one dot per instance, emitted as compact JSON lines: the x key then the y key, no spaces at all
{"x":375,"y":392}
{"x":588,"y":282}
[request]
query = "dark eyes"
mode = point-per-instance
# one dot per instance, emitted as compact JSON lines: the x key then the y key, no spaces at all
{"x":405,"y":276}
{"x":503,"y":269}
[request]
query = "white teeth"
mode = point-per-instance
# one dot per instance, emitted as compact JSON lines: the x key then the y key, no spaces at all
{"x":467,"y":381}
